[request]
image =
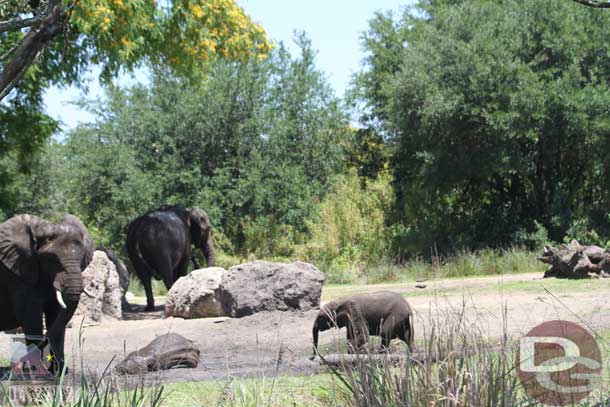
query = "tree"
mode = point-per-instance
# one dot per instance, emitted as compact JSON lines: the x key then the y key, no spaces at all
{"x":255,"y":145}
{"x":179,"y":34}
{"x":55,"y":41}
{"x":499,"y":117}
{"x":383,"y":44}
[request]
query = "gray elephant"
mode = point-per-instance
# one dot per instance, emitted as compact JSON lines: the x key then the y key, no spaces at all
{"x":159,"y":245}
{"x":384,"y":313}
{"x":40,"y":277}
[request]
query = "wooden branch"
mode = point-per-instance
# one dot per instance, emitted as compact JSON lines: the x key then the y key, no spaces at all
{"x":16,"y":23}
{"x":28,"y":49}
{"x":592,"y":3}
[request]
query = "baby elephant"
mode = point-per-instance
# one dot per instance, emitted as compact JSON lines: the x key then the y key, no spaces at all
{"x":384,"y":313}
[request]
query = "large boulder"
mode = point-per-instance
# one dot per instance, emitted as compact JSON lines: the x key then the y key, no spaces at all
{"x":196,"y":295}
{"x":101,"y":297}
{"x":123,"y":275}
{"x":264,"y":286}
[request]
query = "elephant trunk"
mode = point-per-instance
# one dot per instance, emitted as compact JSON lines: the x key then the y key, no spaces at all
{"x":208,"y":251}
{"x":315,"y":332}
{"x":69,"y":283}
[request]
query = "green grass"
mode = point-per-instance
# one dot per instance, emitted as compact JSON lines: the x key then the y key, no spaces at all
{"x":265,"y":392}
{"x":464,"y":264}
{"x":481,"y":287}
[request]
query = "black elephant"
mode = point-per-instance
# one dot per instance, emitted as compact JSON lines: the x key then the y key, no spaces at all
{"x":40,"y":277}
{"x":159,"y":245}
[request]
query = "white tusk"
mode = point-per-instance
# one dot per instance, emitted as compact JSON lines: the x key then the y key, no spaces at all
{"x":60,"y":300}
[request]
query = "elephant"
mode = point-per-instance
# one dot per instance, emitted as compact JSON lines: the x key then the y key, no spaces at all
{"x":159,"y":245}
{"x":383,"y":313}
{"x":168,"y":351}
{"x":40,"y":277}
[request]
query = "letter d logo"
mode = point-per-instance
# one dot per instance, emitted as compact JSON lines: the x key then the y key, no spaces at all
{"x":558,"y":363}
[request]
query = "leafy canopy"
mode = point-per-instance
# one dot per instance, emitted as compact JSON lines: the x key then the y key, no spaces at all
{"x":56,"y":41}
{"x":498,"y":119}
{"x":255,"y":145}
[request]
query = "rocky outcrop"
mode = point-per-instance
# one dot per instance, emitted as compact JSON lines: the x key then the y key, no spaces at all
{"x":102,"y":294}
{"x":167,"y":351}
{"x":196,"y":295}
{"x":123,"y":275}
{"x":264,"y":286}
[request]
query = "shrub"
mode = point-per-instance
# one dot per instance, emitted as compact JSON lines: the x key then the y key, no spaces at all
{"x":350,"y":228}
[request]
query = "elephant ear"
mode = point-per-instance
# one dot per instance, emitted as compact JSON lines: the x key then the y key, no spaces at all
{"x":349,"y":313}
{"x":18,"y":247}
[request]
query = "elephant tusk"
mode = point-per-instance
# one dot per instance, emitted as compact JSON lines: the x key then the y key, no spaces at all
{"x":60,"y":300}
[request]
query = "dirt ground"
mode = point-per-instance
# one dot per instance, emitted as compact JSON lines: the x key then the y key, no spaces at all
{"x":281,"y":341}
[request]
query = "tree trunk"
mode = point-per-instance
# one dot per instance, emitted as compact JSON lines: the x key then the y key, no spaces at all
{"x":28,"y":49}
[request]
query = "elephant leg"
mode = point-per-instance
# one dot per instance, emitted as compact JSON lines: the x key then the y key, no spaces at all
{"x":351,"y":340}
{"x":183,"y":267}
{"x":28,"y":313}
{"x":387,"y":332}
{"x":356,"y":338}
{"x":405,"y":334}
{"x":56,"y":339}
{"x":150,"y":300}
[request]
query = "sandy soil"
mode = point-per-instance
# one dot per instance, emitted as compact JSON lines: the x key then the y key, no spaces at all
{"x":281,"y":341}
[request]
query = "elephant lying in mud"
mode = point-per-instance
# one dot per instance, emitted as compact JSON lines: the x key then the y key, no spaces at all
{"x":167,"y":351}
{"x":384,"y":313}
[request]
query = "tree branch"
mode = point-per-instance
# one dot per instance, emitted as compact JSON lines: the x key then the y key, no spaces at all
{"x":28,"y":49}
{"x":592,"y":3}
{"x":16,"y":23}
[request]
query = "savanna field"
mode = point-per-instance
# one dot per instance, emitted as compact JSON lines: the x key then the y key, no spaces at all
{"x":223,"y":188}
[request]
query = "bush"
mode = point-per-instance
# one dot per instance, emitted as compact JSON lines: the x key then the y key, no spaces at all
{"x":350,"y":230}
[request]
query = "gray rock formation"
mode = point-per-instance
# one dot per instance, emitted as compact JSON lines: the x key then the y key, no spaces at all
{"x":196,"y":295}
{"x":264,"y":286}
{"x":101,"y":297}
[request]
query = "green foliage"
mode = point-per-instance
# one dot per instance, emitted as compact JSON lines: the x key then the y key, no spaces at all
{"x":498,"y":115}
{"x":182,"y":37}
{"x":486,"y":262}
{"x":349,"y":232}
{"x":367,"y":153}
{"x":532,"y":240}
{"x":255,"y":145}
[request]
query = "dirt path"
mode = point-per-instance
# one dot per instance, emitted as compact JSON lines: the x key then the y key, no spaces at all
{"x":281,"y":341}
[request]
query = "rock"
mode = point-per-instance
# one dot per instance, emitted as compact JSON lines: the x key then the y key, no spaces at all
{"x":164,"y":352}
{"x":196,"y":295}
{"x":420,"y":285}
{"x":264,"y":286}
{"x":102,"y":295}
{"x":123,"y":276}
